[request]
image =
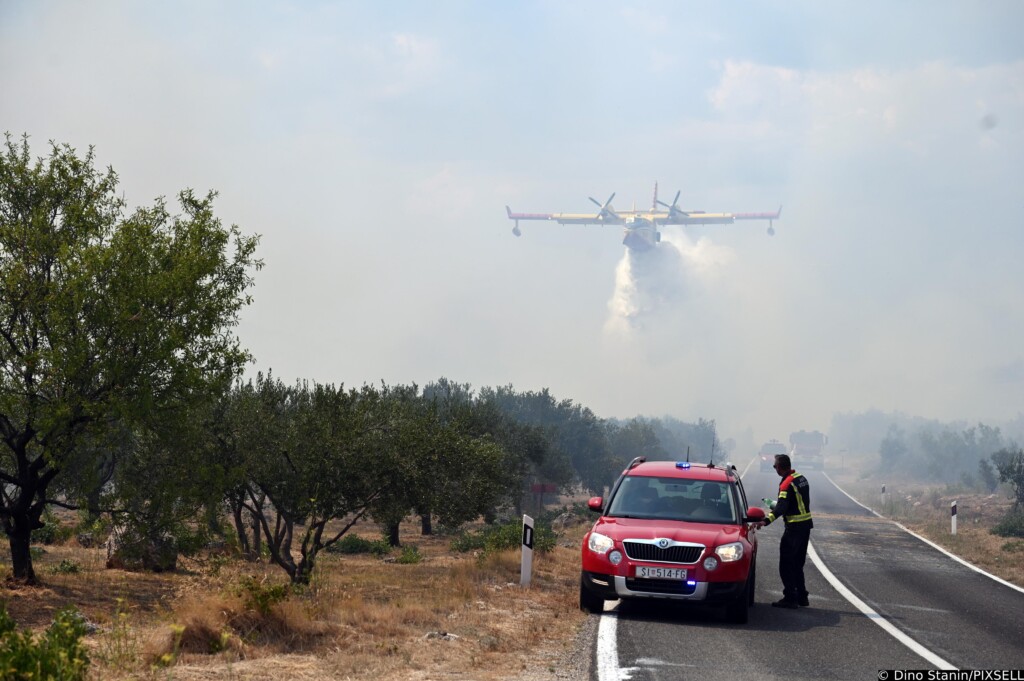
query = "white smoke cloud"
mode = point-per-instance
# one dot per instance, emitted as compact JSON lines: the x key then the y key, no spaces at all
{"x":652,"y":287}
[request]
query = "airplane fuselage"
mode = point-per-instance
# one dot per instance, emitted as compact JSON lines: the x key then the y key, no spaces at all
{"x":640,"y":234}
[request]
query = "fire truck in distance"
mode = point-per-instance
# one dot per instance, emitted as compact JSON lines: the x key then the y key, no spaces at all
{"x":768,"y":452}
{"x":808,"y":449}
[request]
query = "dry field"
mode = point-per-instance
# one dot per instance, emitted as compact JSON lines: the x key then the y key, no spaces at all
{"x":450,"y":616}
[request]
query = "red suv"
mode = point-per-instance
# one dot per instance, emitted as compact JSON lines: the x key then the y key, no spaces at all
{"x":674,"y":530}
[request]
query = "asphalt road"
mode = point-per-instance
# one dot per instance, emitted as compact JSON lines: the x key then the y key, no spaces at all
{"x":944,"y":614}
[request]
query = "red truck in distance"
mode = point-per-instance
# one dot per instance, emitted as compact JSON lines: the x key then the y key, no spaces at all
{"x":808,"y":449}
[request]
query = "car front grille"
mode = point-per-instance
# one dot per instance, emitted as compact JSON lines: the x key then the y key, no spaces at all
{"x":686,"y":555}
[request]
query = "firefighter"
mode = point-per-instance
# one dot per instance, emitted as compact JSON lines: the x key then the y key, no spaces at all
{"x":794,"y":507}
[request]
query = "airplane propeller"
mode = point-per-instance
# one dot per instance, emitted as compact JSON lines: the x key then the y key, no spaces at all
{"x":605,"y":211}
{"x":673,"y":210}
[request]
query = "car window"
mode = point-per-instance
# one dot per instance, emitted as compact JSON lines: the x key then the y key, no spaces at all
{"x":742,"y":493}
{"x":636,"y":496}
{"x":673,"y":499}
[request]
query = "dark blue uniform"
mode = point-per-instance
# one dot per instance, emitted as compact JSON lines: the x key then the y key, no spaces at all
{"x":794,"y":507}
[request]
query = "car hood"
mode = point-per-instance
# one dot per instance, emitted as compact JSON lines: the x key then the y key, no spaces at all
{"x":709,"y":534}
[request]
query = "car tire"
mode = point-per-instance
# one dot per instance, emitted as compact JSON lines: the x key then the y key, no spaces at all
{"x":738,"y":611}
{"x":589,"y":601}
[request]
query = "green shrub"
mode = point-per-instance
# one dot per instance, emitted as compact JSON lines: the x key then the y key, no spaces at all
{"x":503,"y":537}
{"x":98,"y":526}
{"x":1012,"y":525}
{"x":52,"y":531}
{"x":468,"y":541}
{"x":66,"y":567}
{"x":410,"y":555}
{"x":260,"y":596}
{"x":56,"y":655}
{"x":352,"y":544}
{"x":380,"y":548}
{"x":190,"y":541}
{"x":1013,"y":546}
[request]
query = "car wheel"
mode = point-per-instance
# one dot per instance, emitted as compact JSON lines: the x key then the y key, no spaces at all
{"x":737,"y":612}
{"x":589,"y":601}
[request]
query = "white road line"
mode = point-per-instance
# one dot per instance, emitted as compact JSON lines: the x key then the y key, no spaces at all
{"x":607,"y":653}
{"x":608,"y":668}
{"x":927,"y":541}
{"x":874,"y":616}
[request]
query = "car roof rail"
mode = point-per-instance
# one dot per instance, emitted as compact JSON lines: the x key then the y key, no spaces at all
{"x":636,"y":462}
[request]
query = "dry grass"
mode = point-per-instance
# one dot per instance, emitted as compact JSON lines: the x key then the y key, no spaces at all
{"x":448,"y":616}
{"x":451,"y":616}
{"x":925,"y":509}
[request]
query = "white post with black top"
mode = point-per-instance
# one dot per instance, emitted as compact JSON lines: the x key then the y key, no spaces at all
{"x":526,"y":570}
{"x":952,"y":515}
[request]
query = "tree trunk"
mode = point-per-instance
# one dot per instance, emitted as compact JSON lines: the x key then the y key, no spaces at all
{"x":92,"y":505}
{"x":257,"y":542}
{"x":392,"y":529}
{"x":427,"y":528}
{"x":213,"y":520}
{"x":20,"y":538}
{"x":303,"y":573}
{"x":241,"y":531}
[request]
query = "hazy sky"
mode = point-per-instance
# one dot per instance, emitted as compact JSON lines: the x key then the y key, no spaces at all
{"x":374,"y":146}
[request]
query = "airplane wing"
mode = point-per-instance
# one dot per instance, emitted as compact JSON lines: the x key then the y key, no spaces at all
{"x":696,"y":217}
{"x":570,"y":218}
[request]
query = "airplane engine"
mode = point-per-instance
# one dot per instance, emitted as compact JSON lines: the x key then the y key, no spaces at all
{"x":771,"y":231}
{"x":516,"y":231}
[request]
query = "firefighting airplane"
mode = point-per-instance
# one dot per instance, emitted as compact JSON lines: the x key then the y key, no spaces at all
{"x":640,"y":227}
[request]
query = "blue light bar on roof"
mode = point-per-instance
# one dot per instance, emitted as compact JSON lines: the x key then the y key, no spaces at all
{"x":682,"y":464}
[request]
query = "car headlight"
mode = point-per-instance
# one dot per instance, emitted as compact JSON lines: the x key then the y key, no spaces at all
{"x":730,"y":552}
{"x":598,"y":543}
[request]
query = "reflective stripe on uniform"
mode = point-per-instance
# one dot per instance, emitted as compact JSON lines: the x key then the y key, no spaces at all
{"x":801,"y":506}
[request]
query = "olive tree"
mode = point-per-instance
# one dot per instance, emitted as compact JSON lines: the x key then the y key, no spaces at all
{"x":105,"y":319}
{"x":447,"y":463}
{"x":314,"y":454}
{"x":1009,"y":463}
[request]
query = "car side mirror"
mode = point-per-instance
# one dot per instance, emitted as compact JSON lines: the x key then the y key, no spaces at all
{"x":595,"y":503}
{"x":755,"y":514}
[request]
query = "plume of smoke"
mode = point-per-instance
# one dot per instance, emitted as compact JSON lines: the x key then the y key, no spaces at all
{"x":654,"y":285}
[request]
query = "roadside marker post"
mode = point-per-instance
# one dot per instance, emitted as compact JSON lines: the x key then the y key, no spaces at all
{"x":952,"y":515}
{"x":526,"y":569}
{"x":883,"y":496}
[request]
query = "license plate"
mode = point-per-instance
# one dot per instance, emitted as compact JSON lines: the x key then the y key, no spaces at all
{"x":660,"y":573}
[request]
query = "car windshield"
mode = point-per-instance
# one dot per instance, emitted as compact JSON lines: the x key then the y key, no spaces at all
{"x":673,"y":499}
